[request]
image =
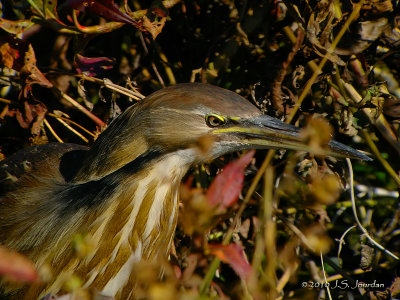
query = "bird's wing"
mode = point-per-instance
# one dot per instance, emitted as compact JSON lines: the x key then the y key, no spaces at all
{"x":60,"y":161}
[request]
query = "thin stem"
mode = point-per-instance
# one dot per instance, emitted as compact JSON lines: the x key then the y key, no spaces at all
{"x":52,"y":131}
{"x":72,"y":122}
{"x":114,"y":87}
{"x":73,"y":130}
{"x":94,"y":118}
{"x":362,"y":228}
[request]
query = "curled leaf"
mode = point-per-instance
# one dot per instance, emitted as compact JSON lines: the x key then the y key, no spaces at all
{"x":31,"y":115}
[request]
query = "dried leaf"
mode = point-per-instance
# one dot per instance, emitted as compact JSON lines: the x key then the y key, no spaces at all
{"x":8,"y":55}
{"x":31,"y":73}
{"x":226,"y":187}
{"x":395,"y":287}
{"x":233,"y":255}
{"x":363,"y":36}
{"x":155,"y":27}
{"x":19,"y":55}
{"x":32,"y":114}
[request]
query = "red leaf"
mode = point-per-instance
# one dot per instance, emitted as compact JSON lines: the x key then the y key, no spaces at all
{"x":92,"y":66}
{"x":16,"y":266}
{"x":233,"y":255}
{"x":105,"y":8}
{"x":226,"y":187}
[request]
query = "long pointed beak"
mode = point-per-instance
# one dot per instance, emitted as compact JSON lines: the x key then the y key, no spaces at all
{"x":266,"y":132}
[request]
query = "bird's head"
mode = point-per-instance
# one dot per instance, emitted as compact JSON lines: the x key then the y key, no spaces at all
{"x":185,"y":116}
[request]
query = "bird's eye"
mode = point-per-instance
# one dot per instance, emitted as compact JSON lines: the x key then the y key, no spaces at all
{"x":215,"y":120}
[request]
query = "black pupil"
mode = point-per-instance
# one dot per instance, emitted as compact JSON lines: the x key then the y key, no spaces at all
{"x":215,"y":121}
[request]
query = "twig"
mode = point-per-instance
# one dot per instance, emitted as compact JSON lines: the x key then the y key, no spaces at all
{"x":353,"y":202}
{"x":341,"y":240}
{"x":94,"y":118}
{"x":6,"y":101}
{"x":152,"y":63}
{"x":114,"y":87}
{"x":52,"y":130}
{"x":72,"y":122}
{"x":168,"y":70}
{"x":304,"y":240}
{"x":72,"y":130}
{"x":107,"y":27}
{"x":60,"y":119}
{"x":131,"y":94}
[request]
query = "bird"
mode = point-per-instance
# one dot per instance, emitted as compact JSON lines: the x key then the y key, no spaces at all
{"x":122,"y":192}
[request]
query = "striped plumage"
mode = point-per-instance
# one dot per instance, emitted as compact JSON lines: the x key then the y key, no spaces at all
{"x":122,"y":193}
{"x":135,"y":219}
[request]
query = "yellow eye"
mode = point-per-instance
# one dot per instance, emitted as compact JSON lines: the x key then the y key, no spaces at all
{"x":215,"y":120}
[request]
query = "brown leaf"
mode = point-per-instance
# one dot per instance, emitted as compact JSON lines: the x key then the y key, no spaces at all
{"x":31,"y":71}
{"x":155,"y":27}
{"x":226,"y":187}
{"x":16,"y":267}
{"x":395,"y":287}
{"x":233,"y":255}
{"x":8,"y":55}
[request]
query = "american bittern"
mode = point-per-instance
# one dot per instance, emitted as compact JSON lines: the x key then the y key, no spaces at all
{"x":123,"y":191}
